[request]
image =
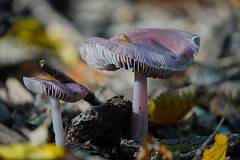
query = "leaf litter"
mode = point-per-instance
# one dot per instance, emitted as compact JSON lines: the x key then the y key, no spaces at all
{"x":30,"y":117}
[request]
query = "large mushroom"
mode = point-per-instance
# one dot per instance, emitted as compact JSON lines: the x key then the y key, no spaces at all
{"x":68,"y":92}
{"x":156,"y":53}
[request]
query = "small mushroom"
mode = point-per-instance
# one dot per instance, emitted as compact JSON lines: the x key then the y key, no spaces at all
{"x":68,"y":92}
{"x":156,"y":53}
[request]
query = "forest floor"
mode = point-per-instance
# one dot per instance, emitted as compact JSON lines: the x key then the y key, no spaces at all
{"x":204,"y":98}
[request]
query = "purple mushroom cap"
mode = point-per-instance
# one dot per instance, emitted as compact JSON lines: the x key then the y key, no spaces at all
{"x":68,"y":92}
{"x":157,"y":53}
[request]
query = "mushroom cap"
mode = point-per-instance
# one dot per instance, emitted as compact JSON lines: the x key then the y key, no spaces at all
{"x":157,"y":53}
{"x":68,"y":92}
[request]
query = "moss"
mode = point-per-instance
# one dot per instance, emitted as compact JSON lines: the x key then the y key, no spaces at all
{"x":183,"y":148}
{"x":174,"y":148}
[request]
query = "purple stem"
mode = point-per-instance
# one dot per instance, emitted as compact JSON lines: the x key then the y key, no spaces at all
{"x":139,"y":117}
{"x":57,"y":122}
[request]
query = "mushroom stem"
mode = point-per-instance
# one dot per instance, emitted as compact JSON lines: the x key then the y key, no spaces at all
{"x":57,"y":122}
{"x":139,"y":119}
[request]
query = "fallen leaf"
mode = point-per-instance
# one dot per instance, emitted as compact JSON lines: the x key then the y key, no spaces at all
{"x":30,"y":151}
{"x":218,"y":150}
{"x":32,"y":32}
{"x":172,"y":105}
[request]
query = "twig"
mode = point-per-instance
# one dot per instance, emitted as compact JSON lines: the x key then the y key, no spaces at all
{"x":62,"y":77}
{"x":200,"y":150}
{"x":54,"y":72}
{"x":232,"y":77}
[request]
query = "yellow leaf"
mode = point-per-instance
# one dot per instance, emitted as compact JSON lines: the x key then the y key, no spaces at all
{"x":171,"y":106}
{"x":30,"y":151}
{"x":218,"y":150}
{"x":32,"y":32}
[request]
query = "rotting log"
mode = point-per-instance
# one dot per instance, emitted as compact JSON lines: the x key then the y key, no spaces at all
{"x":102,"y":122}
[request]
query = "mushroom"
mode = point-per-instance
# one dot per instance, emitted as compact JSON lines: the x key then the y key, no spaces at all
{"x":156,"y":53}
{"x":68,"y":92}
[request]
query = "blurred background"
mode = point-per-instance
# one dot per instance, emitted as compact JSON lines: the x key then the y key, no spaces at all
{"x":52,"y":29}
{"x":31,"y":30}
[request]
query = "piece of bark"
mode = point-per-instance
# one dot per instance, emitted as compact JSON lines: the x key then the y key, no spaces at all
{"x":101,"y":122}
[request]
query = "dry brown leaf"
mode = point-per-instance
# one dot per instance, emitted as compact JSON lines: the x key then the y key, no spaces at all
{"x":172,"y":105}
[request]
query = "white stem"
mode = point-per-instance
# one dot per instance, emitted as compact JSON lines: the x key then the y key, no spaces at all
{"x":57,"y":122}
{"x":139,"y":119}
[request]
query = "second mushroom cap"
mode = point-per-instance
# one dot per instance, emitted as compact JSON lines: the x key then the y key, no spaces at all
{"x":68,"y":92}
